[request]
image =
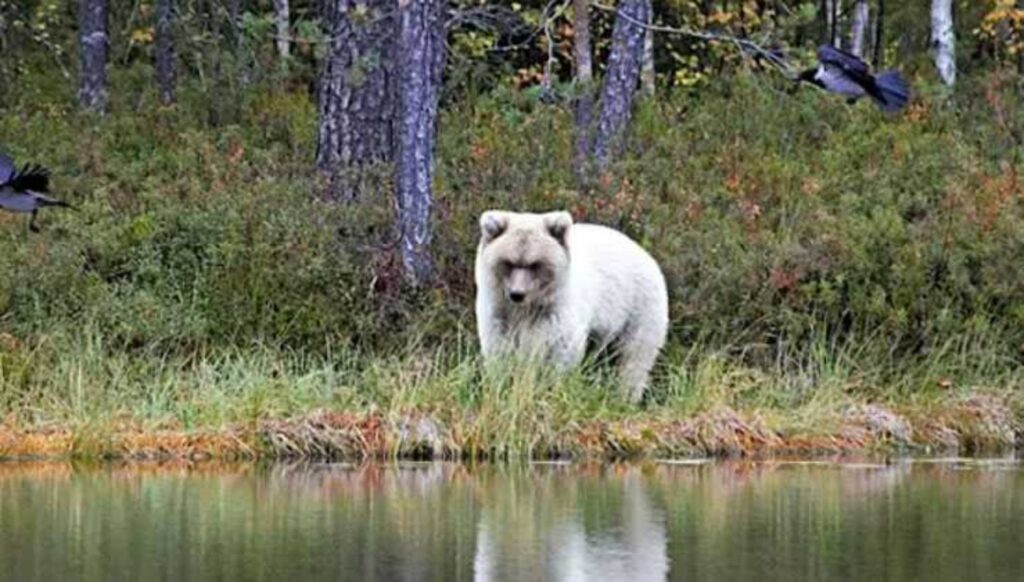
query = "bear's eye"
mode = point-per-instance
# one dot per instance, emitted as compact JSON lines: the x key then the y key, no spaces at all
{"x":534,"y":267}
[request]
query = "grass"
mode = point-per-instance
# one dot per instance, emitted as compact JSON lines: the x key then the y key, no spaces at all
{"x":840,"y":280}
{"x":261,"y":403}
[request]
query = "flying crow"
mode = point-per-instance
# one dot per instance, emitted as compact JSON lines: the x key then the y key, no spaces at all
{"x":846,"y":74}
{"x":25,"y":190}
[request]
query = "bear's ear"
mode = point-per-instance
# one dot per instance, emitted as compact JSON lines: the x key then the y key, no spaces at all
{"x":558,"y":224}
{"x":492,"y":224}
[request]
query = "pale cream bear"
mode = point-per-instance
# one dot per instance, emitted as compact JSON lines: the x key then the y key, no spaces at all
{"x":545,"y":285}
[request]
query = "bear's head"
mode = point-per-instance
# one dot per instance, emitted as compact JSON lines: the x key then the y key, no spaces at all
{"x":525,"y":256}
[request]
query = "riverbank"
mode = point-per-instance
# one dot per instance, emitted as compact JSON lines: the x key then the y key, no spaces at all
{"x":971,"y":424}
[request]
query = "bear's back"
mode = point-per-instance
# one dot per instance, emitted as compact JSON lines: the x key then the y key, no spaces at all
{"x":615,"y":275}
{"x":609,"y":249}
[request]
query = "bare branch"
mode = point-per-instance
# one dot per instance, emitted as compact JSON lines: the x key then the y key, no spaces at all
{"x":742,"y":44}
{"x":547,"y":16}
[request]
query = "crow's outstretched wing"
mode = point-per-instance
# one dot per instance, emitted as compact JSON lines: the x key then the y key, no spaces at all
{"x":850,"y":64}
{"x":33,"y":178}
{"x":7,"y":169}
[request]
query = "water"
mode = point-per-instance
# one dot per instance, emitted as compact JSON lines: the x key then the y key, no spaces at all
{"x":909,"y":521}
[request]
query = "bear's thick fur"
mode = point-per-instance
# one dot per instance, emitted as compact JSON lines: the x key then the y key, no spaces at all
{"x":545,"y":286}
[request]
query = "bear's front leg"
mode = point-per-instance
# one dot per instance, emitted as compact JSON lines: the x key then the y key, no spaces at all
{"x":566,"y":349}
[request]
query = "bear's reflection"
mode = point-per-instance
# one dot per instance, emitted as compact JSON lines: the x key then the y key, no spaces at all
{"x":564,"y":525}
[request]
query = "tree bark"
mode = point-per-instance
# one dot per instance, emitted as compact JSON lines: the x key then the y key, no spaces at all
{"x":878,"y":38}
{"x":356,"y":97}
{"x":235,"y":20}
{"x":283,"y":26}
{"x":834,"y":20}
{"x":647,"y":71}
{"x":243,"y":65}
{"x":943,"y":40}
{"x":621,"y":77}
{"x":859,"y":27}
{"x":1020,"y":56}
{"x":165,"y":75}
{"x":828,"y":21}
{"x":92,"y":26}
{"x":584,"y":88}
{"x":420,"y":67}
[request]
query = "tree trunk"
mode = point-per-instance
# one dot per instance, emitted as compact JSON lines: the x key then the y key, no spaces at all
{"x":165,"y":50}
{"x":234,"y":20}
{"x":859,"y":27}
{"x":584,"y":88}
{"x":92,"y":26}
{"x":243,"y":68}
{"x":356,"y":97}
{"x":282,"y":24}
{"x":621,"y":77}
{"x":878,"y":38}
{"x":420,"y":67}
{"x":647,"y":71}
{"x":943,"y":40}
{"x":828,"y":21}
{"x":1020,"y":56}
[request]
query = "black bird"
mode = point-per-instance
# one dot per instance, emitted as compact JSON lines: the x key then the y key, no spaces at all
{"x":25,"y":190}
{"x":846,"y":74}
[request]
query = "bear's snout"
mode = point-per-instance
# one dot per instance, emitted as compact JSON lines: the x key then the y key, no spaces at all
{"x":519,"y":285}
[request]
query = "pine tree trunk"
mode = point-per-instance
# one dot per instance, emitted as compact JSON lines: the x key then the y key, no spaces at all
{"x":92,"y":26}
{"x":859,"y":27}
{"x":356,"y":97}
{"x":283,"y":26}
{"x":420,"y":67}
{"x":621,"y":78}
{"x":584,"y":88}
{"x":943,"y":40}
{"x":165,"y":50}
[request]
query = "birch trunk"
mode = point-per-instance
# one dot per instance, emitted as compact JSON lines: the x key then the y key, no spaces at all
{"x":647,"y":71}
{"x":283,"y":26}
{"x":943,"y":40}
{"x":828,"y":20}
{"x":584,"y":87}
{"x":859,"y":27}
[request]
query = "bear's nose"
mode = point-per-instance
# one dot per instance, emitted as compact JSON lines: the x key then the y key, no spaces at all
{"x":516,"y":296}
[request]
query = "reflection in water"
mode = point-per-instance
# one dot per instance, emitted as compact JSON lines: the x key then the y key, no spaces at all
{"x":729,"y":521}
{"x":511,"y":546}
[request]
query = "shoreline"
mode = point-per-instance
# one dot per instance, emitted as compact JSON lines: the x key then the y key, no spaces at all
{"x":971,"y":426}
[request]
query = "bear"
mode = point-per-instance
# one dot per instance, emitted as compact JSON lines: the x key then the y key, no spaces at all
{"x":546,"y":286}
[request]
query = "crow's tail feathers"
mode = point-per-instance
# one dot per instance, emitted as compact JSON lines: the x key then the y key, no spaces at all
{"x":893,"y":91}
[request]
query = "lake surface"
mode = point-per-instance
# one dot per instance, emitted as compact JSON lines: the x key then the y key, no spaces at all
{"x":714,"y":521}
